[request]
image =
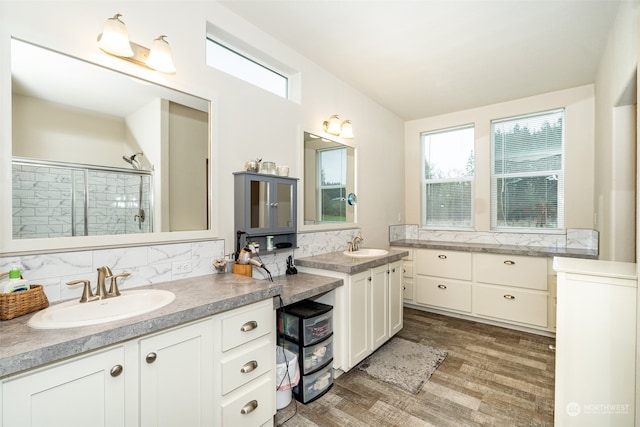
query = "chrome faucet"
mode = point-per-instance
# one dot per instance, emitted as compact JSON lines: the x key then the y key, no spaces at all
{"x":101,"y":289}
{"x":354,"y":244}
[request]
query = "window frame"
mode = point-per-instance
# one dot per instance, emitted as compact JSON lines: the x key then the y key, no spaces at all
{"x":424,"y":182}
{"x":559,"y":174}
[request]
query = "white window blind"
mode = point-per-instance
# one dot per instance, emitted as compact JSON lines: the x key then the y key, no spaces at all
{"x":447,"y":178}
{"x":527,"y":180}
{"x":332,"y":182}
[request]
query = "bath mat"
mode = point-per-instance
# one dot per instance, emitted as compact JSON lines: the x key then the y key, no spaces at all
{"x":403,"y":363}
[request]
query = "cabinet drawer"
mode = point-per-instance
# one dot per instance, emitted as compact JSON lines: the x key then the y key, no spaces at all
{"x":407,"y":269}
{"x":444,"y":293}
{"x":254,"y":360}
{"x":512,"y":304}
{"x":253,"y":406}
{"x":253,"y":322}
{"x":450,"y":264}
{"x":521,"y":271}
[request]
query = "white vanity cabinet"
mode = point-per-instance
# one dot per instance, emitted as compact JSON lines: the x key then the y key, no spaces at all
{"x":84,"y":391}
{"x":443,"y":279}
{"x":407,"y":276}
{"x":595,"y":343}
{"x":174,"y":366}
{"x":218,"y":371}
{"x":511,"y":290}
{"x":244,"y":361}
{"x":367,"y":311}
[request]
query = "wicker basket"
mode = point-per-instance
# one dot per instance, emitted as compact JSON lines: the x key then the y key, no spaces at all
{"x":21,"y":303}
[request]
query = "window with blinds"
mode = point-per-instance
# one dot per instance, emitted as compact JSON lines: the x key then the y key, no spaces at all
{"x":447,"y":178}
{"x":332,"y":181}
{"x":527,"y":180}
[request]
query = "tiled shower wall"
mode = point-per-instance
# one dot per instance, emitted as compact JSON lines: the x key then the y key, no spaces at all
{"x":42,"y":202}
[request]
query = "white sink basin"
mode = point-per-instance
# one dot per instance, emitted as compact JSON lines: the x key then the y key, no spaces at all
{"x":366,"y":252}
{"x":72,"y":314}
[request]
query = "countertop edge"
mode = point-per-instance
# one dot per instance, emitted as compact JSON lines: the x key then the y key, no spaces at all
{"x":537,"y":251}
{"x":340,"y":263}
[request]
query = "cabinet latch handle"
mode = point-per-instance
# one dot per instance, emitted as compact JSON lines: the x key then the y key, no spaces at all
{"x":507,"y":296}
{"x":151,"y":357}
{"x":442,"y":287}
{"x":116,"y":370}
{"x":249,"y":366}
{"x":249,"y":407}
{"x":442,"y":256}
{"x":249,"y":326}
{"x":509,"y":262}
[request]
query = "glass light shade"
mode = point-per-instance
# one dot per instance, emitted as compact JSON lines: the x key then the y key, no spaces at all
{"x":332,"y":125}
{"x":115,"y":38}
{"x":346,"y":130}
{"x":160,"y":56}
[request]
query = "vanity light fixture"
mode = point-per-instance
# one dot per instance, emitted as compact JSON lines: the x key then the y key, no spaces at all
{"x":114,"y":40}
{"x":334,"y":127}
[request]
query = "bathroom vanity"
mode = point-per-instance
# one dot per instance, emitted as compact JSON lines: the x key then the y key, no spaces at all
{"x":214,"y":343}
{"x":511,"y":286}
{"x":368,"y":308}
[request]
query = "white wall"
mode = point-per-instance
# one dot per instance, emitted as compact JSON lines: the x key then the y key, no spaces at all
{"x":247,"y":122}
{"x":579,"y":151}
{"x":615,"y":191}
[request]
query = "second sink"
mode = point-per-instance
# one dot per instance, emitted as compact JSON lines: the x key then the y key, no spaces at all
{"x":72,"y":314}
{"x":367,"y":252}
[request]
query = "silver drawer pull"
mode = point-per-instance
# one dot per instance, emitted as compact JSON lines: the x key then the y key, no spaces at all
{"x":507,"y":296}
{"x":509,"y":262}
{"x":249,"y":407}
{"x":442,"y":256}
{"x":442,"y":287}
{"x":249,"y":366}
{"x":249,"y":326}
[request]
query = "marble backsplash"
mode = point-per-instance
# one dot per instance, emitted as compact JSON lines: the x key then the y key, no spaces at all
{"x":154,"y":263}
{"x":570,"y":239}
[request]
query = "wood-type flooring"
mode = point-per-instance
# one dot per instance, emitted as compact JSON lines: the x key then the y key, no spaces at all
{"x":492,"y":376}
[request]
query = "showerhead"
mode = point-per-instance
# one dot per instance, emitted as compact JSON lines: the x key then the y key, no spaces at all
{"x":132,"y":160}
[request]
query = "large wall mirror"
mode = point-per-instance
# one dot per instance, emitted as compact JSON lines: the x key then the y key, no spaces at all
{"x":95,"y":152}
{"x":329,"y":183}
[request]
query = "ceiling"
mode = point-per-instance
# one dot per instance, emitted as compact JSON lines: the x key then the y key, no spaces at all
{"x":422,"y":58}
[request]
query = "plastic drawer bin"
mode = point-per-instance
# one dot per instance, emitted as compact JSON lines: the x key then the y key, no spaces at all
{"x":314,"y":385}
{"x":312,"y":357}
{"x":311,"y":319}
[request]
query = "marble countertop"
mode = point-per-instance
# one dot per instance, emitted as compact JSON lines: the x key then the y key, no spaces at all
{"x":339,"y":262}
{"x":23,"y":348}
{"x":498,"y":249}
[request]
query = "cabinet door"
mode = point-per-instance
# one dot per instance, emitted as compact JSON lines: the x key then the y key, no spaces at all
{"x":176,"y":377}
{"x":283,"y":205}
{"x":258,"y":204}
{"x":379,"y":306}
{"x":359,"y":318}
{"x":395,"y":297}
{"x":85,"y":391}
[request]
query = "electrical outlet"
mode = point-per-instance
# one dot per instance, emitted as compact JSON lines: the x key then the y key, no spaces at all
{"x":181,"y":267}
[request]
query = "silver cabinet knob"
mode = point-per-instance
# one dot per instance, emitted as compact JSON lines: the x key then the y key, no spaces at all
{"x":151,"y":357}
{"x":116,"y":370}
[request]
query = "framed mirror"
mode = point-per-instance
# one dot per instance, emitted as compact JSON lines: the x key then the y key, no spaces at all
{"x":329,"y":183}
{"x":98,"y":154}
